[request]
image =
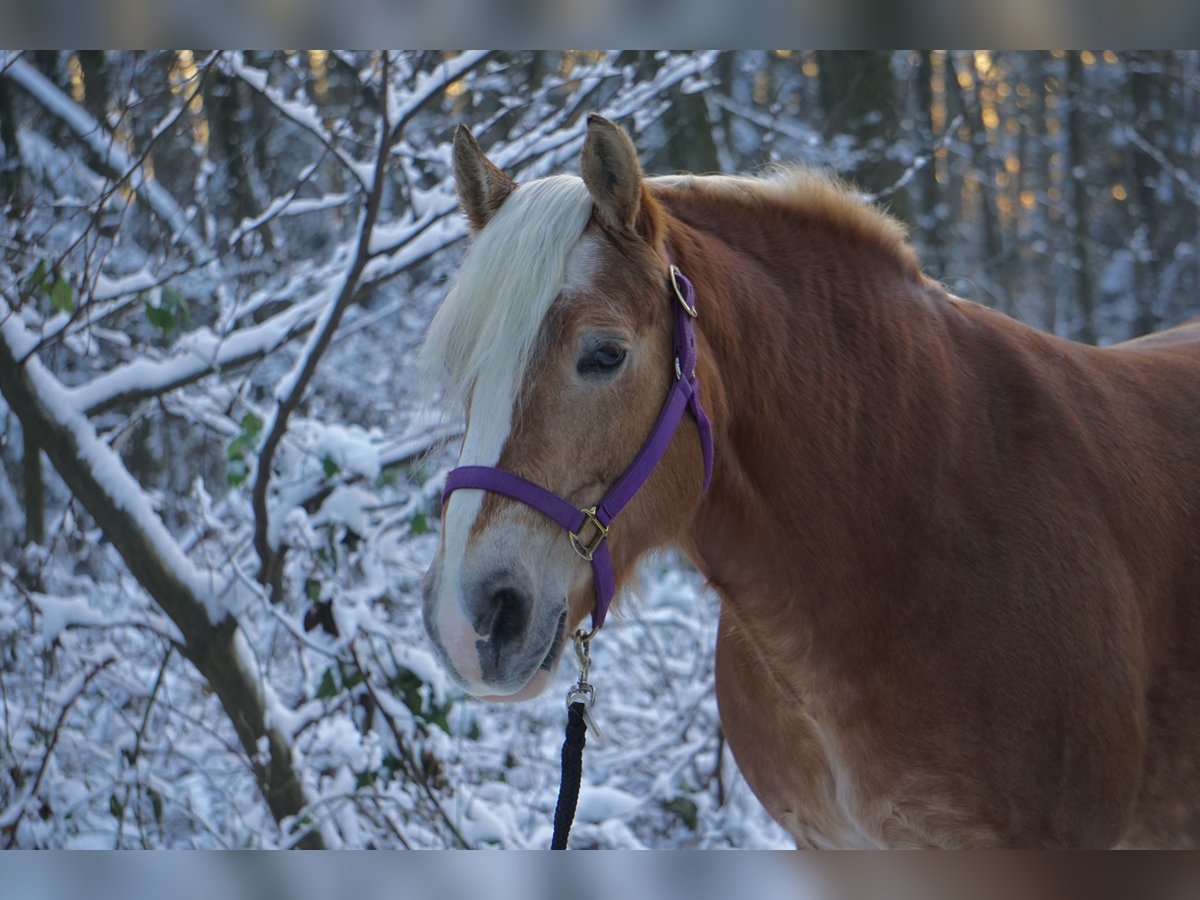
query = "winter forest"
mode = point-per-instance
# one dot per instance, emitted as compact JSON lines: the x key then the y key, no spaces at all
{"x":220,"y":466}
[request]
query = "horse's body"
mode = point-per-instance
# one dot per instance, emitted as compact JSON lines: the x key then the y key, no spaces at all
{"x":958,"y":559}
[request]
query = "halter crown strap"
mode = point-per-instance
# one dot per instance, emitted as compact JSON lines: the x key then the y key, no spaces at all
{"x":588,"y":528}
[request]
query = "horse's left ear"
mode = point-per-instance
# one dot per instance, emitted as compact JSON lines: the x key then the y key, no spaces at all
{"x":612,"y":174}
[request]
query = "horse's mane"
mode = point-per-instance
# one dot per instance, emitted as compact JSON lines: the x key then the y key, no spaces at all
{"x":821,"y":197}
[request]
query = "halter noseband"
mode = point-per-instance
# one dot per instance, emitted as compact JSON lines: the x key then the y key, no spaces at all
{"x":684,"y":394}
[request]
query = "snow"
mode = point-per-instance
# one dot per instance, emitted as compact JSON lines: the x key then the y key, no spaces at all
{"x":598,"y":803}
{"x":198,"y":352}
{"x":347,"y":505}
{"x":106,"y":467}
{"x":352,"y":448}
{"x":60,"y":613}
{"x":287,"y":206}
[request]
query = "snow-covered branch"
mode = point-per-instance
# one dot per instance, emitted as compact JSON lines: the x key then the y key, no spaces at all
{"x":102,"y":484}
{"x":116,"y":162}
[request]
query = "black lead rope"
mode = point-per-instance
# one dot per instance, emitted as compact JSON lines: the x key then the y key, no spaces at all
{"x":579,"y":701}
{"x":572,"y":775}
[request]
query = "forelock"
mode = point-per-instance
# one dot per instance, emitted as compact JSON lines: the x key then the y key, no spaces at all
{"x":488,"y":324}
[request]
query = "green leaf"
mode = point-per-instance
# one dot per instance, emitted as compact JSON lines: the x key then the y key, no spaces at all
{"x":116,"y":807}
{"x":312,"y":589}
{"x":61,"y":297}
{"x":327,"y":688}
{"x":172,"y":300}
{"x":687,"y":810}
{"x":236,"y":471}
{"x":391,"y":765}
{"x":332,"y":469}
{"x":252,"y":425}
{"x":418,"y":524}
{"x":408,"y":685}
{"x":39,"y":276}
{"x":237,"y":448}
{"x":156,"y":801}
{"x":162,"y":319}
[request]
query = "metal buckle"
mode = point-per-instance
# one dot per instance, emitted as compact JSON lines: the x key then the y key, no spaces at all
{"x":588,"y":550}
{"x":690,"y":310}
{"x":583,"y":691}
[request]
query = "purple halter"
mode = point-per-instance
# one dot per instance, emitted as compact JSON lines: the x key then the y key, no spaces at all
{"x":684,"y":394}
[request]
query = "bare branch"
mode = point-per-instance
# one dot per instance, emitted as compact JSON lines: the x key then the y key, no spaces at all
{"x":116,"y":162}
{"x":12,"y":826}
{"x":292,"y":389}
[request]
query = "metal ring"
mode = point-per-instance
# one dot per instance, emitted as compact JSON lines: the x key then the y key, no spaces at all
{"x":690,"y":310}
{"x":579,"y":693}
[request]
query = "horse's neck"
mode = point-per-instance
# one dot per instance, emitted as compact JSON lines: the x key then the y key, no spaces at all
{"x":814,"y":366}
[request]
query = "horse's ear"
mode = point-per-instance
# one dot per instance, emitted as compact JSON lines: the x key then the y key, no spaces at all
{"x":482,"y":188}
{"x":612,"y":174}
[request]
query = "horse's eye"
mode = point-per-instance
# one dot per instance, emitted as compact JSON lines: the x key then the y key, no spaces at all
{"x":602,"y":359}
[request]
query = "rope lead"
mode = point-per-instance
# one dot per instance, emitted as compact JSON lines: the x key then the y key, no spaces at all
{"x":572,"y":775}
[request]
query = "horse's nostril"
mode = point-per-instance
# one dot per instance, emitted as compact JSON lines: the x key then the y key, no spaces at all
{"x":511,"y":615}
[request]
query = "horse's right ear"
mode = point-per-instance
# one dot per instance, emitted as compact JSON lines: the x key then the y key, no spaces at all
{"x":612,"y":174}
{"x":482,"y":188}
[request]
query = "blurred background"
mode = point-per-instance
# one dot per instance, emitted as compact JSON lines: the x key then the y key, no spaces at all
{"x":220,"y":469}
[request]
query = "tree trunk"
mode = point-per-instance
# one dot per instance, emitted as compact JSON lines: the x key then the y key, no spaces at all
{"x":1146,"y":122}
{"x":33,"y":489}
{"x":983,"y":164}
{"x":1077,"y":162}
{"x":10,"y":163}
{"x":211,"y":648}
{"x":931,"y":223}
{"x":858,"y":95}
{"x":94,"y":66}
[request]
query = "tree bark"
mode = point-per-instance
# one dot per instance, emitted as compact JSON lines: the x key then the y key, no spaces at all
{"x":858,"y":95}
{"x":1077,"y":160}
{"x":34,"y":489}
{"x":993,"y":247}
{"x":10,"y":165}
{"x":931,"y":222}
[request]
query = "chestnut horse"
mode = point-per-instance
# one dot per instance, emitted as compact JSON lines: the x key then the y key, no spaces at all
{"x":958,"y":559}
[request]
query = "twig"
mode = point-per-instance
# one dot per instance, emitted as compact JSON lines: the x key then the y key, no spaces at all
{"x":298,"y":380}
{"x":410,"y":762}
{"x":11,"y":828}
{"x":916,"y":165}
{"x":137,"y":748}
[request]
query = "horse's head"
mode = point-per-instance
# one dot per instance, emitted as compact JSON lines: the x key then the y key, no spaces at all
{"x":557,"y":337}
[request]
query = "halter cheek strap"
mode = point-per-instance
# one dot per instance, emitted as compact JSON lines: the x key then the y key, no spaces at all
{"x":596,"y":520}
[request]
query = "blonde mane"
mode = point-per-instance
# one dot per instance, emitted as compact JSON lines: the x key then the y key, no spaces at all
{"x":822,"y":197}
{"x":489,"y":322}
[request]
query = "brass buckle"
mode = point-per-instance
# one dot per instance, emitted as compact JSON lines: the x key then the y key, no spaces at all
{"x":690,"y":310}
{"x":588,"y":550}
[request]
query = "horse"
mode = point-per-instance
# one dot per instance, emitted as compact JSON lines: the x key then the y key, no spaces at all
{"x":957,"y":559}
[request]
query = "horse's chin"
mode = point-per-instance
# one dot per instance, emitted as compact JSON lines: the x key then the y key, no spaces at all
{"x":535,"y":686}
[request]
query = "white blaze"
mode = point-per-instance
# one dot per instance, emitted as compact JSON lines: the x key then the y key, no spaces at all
{"x":483,"y":338}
